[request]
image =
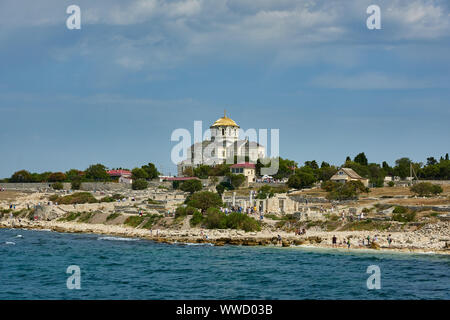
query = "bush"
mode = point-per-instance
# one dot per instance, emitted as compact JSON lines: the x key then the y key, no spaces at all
{"x":57,"y":186}
{"x":426,"y":189}
{"x":75,"y":184}
{"x":152,"y":220}
{"x":404,"y":217}
{"x":57,"y":177}
{"x":76,"y":198}
{"x":112,"y":216}
{"x":134,"y":221}
{"x":265,"y":192}
{"x":192,"y":185}
{"x":215,"y":219}
{"x":237,"y":180}
{"x":204,"y":200}
{"x":197,"y":218}
{"x":391,"y":184}
{"x":400,"y":209}
{"x":236,"y":220}
{"x":139,"y":184}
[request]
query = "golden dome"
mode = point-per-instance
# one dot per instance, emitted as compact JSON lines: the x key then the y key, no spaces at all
{"x":224,"y":122}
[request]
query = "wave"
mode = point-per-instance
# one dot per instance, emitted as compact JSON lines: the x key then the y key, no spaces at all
{"x":10,"y":242}
{"x":19,"y":236}
{"x":117,"y":239}
{"x":194,"y":244}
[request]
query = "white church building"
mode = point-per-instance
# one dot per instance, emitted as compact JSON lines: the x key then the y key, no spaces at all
{"x":222,"y":147}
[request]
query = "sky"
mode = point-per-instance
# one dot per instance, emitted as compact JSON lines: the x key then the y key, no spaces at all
{"x":115,"y":90}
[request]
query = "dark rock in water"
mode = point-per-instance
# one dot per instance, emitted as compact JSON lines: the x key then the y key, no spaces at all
{"x":375,"y":245}
{"x":285,"y":244}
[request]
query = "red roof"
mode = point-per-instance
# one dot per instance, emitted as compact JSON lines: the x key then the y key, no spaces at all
{"x":244,"y":165}
{"x":119,"y":173}
{"x":180,"y":178}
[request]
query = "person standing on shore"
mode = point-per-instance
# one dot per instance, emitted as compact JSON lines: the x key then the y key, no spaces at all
{"x":348,"y":243}
{"x":389,"y":239}
{"x":334,"y":241}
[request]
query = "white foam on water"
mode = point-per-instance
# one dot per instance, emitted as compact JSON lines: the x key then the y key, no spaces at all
{"x":195,"y":244}
{"x":19,"y":236}
{"x":117,"y":239}
{"x":10,"y":242}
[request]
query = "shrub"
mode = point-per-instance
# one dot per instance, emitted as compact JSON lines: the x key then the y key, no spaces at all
{"x":86,"y":216}
{"x":75,"y":184}
{"x":139,"y":184}
{"x":236,"y":220}
{"x":152,"y":220}
{"x":191,"y":186}
{"x":57,"y":186}
{"x":391,"y":184}
{"x":400,"y":209}
{"x":112,"y":216}
{"x":134,"y":221}
{"x":404,"y":217}
{"x":57,"y":177}
{"x":237,"y":180}
{"x":107,"y":199}
{"x":426,"y":189}
{"x":197,"y":218}
{"x":71,"y":216}
{"x":215,"y":219}
{"x":265,"y":192}
{"x":204,"y":200}
{"x":76,"y":198}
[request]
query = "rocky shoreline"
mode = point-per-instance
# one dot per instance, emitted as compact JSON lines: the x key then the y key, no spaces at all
{"x":409,"y":242}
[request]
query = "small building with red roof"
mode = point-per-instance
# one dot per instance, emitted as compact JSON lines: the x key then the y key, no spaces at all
{"x":248,"y":169}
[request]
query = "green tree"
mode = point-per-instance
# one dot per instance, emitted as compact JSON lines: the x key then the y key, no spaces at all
{"x":426,"y":189}
{"x":21,"y":176}
{"x":312,"y":164}
{"x":302,"y":178}
{"x":151,"y":171}
{"x":215,"y":219}
{"x":202,"y":171}
{"x":237,"y":180}
{"x":76,"y":184}
{"x":348,"y":190}
{"x":74,"y":174}
{"x":139,"y":184}
{"x":361,"y":159}
{"x":97,"y":172}
{"x":203,"y":200}
{"x":57,"y":186}
{"x":57,"y":177}
{"x":192,"y":185}
{"x":402,"y":167}
{"x":139,"y":173}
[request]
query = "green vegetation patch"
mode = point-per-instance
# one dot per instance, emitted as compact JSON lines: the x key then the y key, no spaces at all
{"x":112,"y":216}
{"x":76,"y":198}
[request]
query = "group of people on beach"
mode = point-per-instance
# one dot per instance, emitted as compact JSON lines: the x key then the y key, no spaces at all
{"x":346,"y":241}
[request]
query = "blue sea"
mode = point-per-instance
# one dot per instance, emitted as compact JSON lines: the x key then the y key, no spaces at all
{"x":33,"y":265}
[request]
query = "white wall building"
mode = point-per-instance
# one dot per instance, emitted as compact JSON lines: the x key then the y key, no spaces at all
{"x":224,"y":144}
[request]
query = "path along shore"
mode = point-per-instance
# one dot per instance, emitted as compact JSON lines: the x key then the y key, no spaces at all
{"x":434,"y":239}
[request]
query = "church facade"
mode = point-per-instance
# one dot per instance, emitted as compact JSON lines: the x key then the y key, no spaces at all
{"x":223,"y":146}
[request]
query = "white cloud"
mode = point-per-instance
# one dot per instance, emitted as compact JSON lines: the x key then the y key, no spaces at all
{"x":370,"y":81}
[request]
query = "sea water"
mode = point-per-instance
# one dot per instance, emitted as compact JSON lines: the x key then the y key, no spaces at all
{"x":33,"y":265}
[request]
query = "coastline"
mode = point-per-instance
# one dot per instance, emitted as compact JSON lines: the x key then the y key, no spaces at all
{"x":313,"y":239}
